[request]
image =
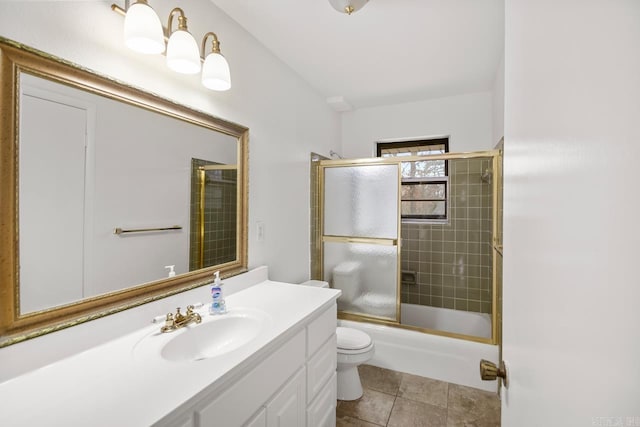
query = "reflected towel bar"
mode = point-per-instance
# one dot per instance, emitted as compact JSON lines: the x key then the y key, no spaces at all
{"x":142,"y":230}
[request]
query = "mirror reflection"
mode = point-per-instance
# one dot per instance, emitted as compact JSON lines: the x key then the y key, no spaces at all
{"x":213,"y":213}
{"x":90,"y":164}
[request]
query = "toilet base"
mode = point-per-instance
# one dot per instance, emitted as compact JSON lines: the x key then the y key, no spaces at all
{"x":349,"y":385}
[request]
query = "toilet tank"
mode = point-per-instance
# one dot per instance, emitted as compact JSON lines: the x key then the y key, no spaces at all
{"x":346,"y":277}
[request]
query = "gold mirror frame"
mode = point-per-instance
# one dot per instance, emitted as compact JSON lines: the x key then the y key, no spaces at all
{"x":14,"y":327}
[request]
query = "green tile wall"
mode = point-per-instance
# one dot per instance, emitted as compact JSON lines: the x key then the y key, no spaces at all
{"x":453,"y":261}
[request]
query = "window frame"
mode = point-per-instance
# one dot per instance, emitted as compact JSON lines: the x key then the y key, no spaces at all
{"x":425,"y":218}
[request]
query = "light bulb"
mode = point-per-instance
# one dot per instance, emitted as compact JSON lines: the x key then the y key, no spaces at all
{"x":183,"y":55}
{"x":215,"y":72}
{"x":143,"y":30}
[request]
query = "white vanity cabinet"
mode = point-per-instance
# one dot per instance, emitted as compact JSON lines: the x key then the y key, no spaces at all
{"x":283,"y":376}
{"x":293,"y":385}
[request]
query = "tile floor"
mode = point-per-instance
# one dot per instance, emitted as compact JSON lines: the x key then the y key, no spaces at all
{"x":395,"y":399}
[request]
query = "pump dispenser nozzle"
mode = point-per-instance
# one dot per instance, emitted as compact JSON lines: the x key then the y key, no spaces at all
{"x":172,"y":273}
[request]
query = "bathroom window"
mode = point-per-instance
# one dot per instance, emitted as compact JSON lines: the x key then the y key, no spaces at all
{"x":425,"y":183}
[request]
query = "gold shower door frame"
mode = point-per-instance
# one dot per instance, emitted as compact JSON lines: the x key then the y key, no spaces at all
{"x":322,"y":238}
{"x":202,"y":182}
{"x":318,"y":266}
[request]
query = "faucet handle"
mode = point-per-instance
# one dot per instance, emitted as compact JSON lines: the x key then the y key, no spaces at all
{"x":162,"y":318}
{"x":169,"y":323}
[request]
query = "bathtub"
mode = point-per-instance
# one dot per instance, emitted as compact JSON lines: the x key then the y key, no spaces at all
{"x":442,"y":358}
{"x":446,"y":319}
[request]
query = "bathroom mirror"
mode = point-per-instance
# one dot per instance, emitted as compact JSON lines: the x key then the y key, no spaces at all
{"x":104,"y":187}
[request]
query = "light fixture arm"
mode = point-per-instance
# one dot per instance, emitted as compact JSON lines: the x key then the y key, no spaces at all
{"x":215,"y":48}
{"x":182,"y":20}
{"x":120,"y":11}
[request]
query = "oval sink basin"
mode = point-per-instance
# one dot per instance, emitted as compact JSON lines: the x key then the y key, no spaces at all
{"x":215,"y":336}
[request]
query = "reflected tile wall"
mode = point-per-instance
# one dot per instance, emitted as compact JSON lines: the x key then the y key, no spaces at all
{"x":452,"y":262}
{"x":219,"y":216}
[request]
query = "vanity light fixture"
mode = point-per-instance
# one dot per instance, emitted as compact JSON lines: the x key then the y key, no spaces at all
{"x":215,"y":71}
{"x":183,"y":55}
{"x":143,"y":32}
{"x":348,"y":6}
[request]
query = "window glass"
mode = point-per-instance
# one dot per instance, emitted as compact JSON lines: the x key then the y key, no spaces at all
{"x":424,"y":182}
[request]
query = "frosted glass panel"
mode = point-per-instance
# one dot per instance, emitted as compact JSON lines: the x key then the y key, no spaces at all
{"x":366,"y":274}
{"x":361,"y":201}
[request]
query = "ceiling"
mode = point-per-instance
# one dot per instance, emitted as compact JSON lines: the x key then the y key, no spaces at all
{"x":389,"y":52}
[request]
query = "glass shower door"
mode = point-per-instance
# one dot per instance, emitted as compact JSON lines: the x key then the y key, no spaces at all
{"x":360,"y":234}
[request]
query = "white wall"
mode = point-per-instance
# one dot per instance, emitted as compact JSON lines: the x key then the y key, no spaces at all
{"x":498,"y":103}
{"x":287,"y":121}
{"x":571,"y":234}
{"x":466,"y":119}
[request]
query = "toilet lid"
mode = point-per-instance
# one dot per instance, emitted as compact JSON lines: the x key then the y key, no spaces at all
{"x":352,"y":339}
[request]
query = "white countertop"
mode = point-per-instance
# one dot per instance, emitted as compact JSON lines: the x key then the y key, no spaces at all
{"x":108,"y":386}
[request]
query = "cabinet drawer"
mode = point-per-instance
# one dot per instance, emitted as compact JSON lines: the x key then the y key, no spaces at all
{"x":321,"y":367}
{"x":249,"y":393}
{"x":321,"y":329}
{"x":322,"y":411}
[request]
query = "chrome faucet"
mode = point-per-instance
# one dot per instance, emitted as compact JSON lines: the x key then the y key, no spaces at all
{"x":179,"y":320}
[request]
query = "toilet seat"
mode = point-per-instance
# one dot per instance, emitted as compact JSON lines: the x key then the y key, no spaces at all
{"x":352,"y":341}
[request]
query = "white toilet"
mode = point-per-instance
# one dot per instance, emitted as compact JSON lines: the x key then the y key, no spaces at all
{"x":354,"y":348}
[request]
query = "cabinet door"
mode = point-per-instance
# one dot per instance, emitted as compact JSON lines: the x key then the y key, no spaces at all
{"x":322,"y":411}
{"x":287,"y":408}
{"x":259,"y":420}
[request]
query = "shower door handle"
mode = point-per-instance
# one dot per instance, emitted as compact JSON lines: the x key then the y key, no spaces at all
{"x":490,"y":372}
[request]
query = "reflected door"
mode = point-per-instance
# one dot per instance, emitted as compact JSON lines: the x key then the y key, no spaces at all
{"x":360,"y":235}
{"x":52,"y":211}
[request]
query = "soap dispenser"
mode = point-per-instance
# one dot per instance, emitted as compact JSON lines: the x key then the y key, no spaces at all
{"x":172,"y":272}
{"x":218,"y":306}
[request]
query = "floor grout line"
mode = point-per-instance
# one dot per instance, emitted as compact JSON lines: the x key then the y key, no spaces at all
{"x":391,"y":411}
